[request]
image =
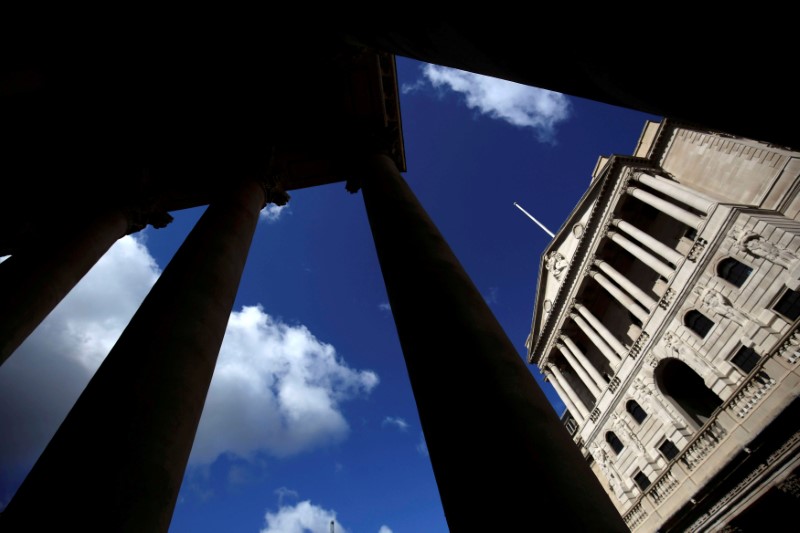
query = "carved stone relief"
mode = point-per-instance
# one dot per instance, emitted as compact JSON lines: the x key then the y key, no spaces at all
{"x":757,"y":246}
{"x":556,"y":264}
{"x":720,"y":305}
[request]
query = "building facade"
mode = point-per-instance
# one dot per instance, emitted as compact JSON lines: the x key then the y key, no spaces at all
{"x":666,"y":318}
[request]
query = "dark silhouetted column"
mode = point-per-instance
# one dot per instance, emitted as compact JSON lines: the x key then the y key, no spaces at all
{"x":502,"y":459}
{"x":35,"y":280}
{"x":117,"y":461}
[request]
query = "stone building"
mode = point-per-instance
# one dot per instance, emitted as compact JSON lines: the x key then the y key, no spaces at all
{"x":666,"y":318}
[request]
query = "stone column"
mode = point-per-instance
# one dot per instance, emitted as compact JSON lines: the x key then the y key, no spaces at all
{"x":604,"y":332}
{"x":678,"y":213}
{"x":620,"y":296}
{"x":579,"y":355}
{"x":675,"y":190}
{"x":642,"y":255}
{"x":118,"y":460}
{"x":34,"y":280}
{"x":641,"y":297}
{"x":473,"y":391}
{"x":654,"y":244}
{"x":551,"y":378}
{"x":597,"y":340}
{"x":570,"y":392}
{"x":580,"y":371}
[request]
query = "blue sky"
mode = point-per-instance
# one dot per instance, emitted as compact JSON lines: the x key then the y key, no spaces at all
{"x":310,"y":416}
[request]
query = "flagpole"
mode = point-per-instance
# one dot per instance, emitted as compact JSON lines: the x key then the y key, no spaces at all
{"x":537,"y":222}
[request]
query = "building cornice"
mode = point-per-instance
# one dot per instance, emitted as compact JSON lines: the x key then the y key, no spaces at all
{"x":604,"y":191}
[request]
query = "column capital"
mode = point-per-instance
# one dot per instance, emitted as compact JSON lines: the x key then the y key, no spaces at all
{"x":140,"y":216}
{"x":274,"y":191}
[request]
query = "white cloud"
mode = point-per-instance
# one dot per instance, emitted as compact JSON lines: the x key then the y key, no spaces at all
{"x":384,"y":306}
{"x":517,"y":104}
{"x":41,"y":381}
{"x":407,"y":88}
{"x":277,"y":389}
{"x":272,"y":212}
{"x":384,"y":529}
{"x":400,"y":423}
{"x":301,"y":518}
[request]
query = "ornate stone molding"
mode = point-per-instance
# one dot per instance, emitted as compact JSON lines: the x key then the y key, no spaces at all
{"x":663,"y":487}
{"x":758,"y":246}
{"x":619,"y":423}
{"x":676,"y":348}
{"x":556,"y":264}
{"x":702,"y":446}
{"x":720,"y":305}
{"x":638,"y":345}
{"x":595,"y":414}
{"x":751,"y":394}
{"x":790,"y":349}
{"x":666,"y":300}
{"x":602,"y":458}
{"x":641,"y":387}
{"x":696,"y":250}
{"x":604,"y":229}
{"x":635,"y":516}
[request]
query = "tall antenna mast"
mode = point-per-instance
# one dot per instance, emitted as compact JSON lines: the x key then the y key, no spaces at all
{"x":332,"y":527}
{"x":537,"y":222}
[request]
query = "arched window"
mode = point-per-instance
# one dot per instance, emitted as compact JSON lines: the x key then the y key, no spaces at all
{"x":733,"y":271}
{"x":614,"y":442}
{"x":636,"y":411}
{"x":698,"y":322}
{"x":686,"y":390}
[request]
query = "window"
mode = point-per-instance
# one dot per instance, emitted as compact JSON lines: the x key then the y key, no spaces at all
{"x":746,"y":359}
{"x":698,"y":322}
{"x":668,"y":449}
{"x":636,"y":411}
{"x":641,"y":480}
{"x":614,"y":442}
{"x":733,"y":271}
{"x":789,"y":304}
{"x":690,"y":234}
